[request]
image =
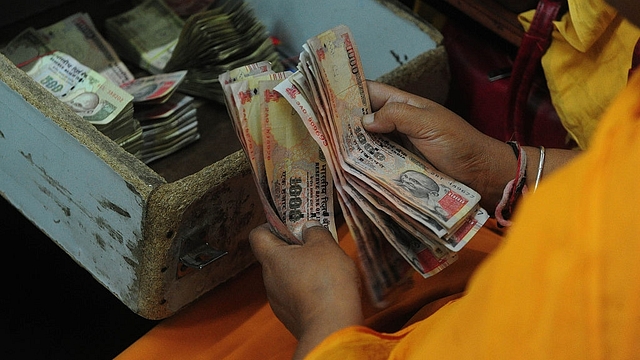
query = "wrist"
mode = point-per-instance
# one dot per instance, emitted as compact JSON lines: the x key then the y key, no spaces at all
{"x":501,"y":165}
{"x":324,"y":323}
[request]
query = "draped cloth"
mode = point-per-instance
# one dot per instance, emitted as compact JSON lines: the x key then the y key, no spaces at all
{"x":234,"y":320}
{"x":563,"y":284}
{"x":587,"y":63}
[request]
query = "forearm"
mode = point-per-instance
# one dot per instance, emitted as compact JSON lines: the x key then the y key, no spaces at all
{"x":553,"y":160}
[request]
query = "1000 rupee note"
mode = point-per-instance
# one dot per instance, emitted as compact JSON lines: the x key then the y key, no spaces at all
{"x":227,"y":78}
{"x":374,"y":158}
{"x":88,"y":93}
{"x":77,"y":36}
{"x":234,"y":107}
{"x":382,"y":269}
{"x":247,"y":102}
{"x":299,"y":180}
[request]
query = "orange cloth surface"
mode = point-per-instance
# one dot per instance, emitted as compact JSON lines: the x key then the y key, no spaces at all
{"x":234,"y":320}
{"x":565,"y":284}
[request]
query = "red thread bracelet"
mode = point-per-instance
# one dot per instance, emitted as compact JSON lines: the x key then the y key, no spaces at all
{"x":513,"y":189}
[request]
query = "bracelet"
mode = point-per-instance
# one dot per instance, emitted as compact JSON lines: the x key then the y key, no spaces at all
{"x":514,"y":188}
{"x":540,"y":166}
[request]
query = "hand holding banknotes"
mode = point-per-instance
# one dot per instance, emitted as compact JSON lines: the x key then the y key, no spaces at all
{"x":451,"y":144}
{"x":314,"y":289}
{"x":314,"y":292}
{"x":446,"y":140}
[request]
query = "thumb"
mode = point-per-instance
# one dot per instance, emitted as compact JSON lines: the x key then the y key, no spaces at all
{"x":405,"y":118}
{"x":313,"y":232}
{"x":263,"y":241}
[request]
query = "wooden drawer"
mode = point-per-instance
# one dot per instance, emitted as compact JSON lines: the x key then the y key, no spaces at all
{"x":134,"y":227}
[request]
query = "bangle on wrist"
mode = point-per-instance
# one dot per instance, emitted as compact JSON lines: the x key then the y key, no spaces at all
{"x":540,"y":167}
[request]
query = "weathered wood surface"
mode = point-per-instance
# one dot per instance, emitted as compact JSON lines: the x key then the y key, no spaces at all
{"x":77,"y":186}
{"x":112,"y":214}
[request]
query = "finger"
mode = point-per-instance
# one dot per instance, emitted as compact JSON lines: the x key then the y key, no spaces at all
{"x":263,"y":241}
{"x":407,"y":119}
{"x":314,"y":232}
{"x":381,"y":94}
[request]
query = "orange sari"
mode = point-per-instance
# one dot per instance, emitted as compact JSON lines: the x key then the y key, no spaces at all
{"x":566,"y":281}
{"x":234,"y":320}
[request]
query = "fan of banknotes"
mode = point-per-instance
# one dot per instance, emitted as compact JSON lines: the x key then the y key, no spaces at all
{"x":303,"y":135}
{"x":219,"y":39}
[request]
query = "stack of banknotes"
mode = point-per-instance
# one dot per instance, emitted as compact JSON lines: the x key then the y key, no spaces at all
{"x":303,"y":135}
{"x":224,"y":37}
{"x":90,"y":95}
{"x":221,"y":37}
{"x":57,"y":56}
{"x":146,"y":35}
{"x":168,"y":128}
{"x":168,"y":118}
{"x":114,"y":100}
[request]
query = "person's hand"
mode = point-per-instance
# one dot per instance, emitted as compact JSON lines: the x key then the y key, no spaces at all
{"x":447,"y":141}
{"x":314,"y":289}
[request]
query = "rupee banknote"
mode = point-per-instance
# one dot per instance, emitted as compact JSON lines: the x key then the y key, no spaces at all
{"x":87,"y":93}
{"x":227,"y":80}
{"x":154,"y":89}
{"x":299,"y":179}
{"x":77,"y":36}
{"x":26,"y":48}
{"x":287,"y":163}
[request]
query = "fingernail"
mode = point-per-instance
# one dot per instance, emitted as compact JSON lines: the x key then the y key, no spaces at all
{"x":311,"y":223}
{"x":367,"y":119}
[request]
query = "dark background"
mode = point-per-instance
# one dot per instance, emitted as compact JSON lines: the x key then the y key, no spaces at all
{"x":55,"y":309}
{"x":18,"y":15}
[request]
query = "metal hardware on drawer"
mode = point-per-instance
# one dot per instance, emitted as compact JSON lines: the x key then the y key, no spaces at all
{"x":201,"y":256}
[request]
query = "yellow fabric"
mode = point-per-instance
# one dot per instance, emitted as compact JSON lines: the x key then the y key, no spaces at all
{"x":565,"y":284}
{"x":587,"y":63}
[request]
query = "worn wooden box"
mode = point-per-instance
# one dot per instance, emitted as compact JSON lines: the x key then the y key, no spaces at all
{"x":137,"y":228}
